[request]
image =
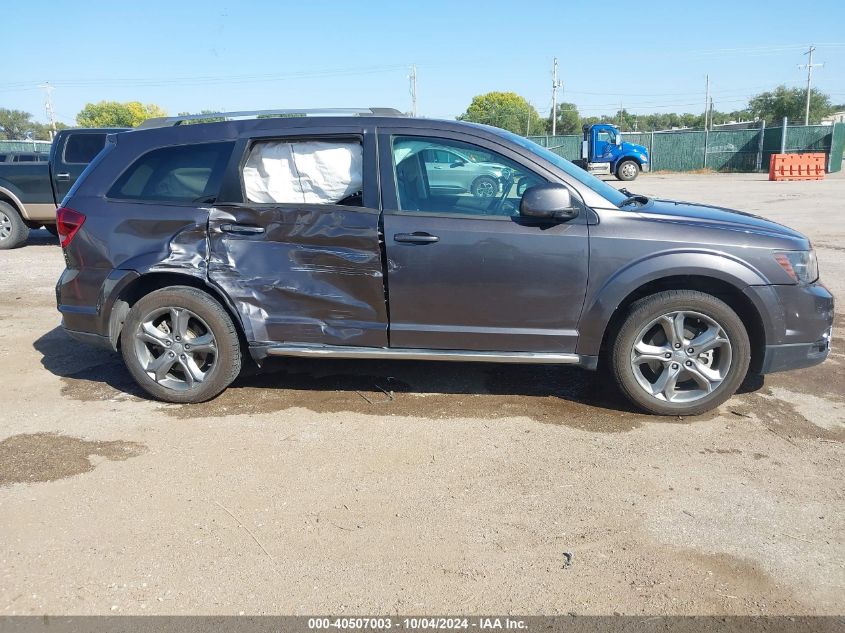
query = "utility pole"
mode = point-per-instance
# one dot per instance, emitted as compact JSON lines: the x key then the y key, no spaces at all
{"x":555,"y":85}
{"x":413,"y":78}
{"x":706,"y":98}
{"x":809,"y":66}
{"x":48,"y":104}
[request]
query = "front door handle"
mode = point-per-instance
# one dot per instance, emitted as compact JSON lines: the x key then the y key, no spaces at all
{"x":242,"y":229}
{"x":63,"y":177}
{"x":416,"y":238}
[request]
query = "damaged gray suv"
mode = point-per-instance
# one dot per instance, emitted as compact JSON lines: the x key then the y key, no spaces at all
{"x":324,"y":234}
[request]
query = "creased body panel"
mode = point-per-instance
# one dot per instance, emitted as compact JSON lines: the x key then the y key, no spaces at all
{"x":314,"y":275}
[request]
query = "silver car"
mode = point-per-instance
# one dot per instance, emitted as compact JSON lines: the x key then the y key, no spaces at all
{"x":452,"y":172}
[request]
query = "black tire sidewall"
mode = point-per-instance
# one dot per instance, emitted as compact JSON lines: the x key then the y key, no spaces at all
{"x":652,"y":307}
{"x":20,"y":231}
{"x":228,"y":361}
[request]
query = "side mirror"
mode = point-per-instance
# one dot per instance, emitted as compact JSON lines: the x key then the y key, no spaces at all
{"x":458,"y":163}
{"x":619,"y":139}
{"x":548,"y":201}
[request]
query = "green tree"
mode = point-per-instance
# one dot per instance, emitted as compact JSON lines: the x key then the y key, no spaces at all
{"x":14,"y":124}
{"x":568,"y":120}
{"x":781,"y":102}
{"x":506,"y":110}
{"x":117,"y":114}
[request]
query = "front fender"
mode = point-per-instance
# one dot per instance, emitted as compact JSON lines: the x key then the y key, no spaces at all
{"x":607,"y":295}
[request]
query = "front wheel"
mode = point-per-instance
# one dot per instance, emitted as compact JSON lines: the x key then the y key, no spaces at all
{"x":485,"y":187}
{"x":180,"y":345}
{"x":627,"y":170}
{"x":680,"y":352}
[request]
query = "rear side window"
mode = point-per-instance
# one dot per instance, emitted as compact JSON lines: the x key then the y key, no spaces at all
{"x":184,"y":173}
{"x":82,"y":148}
{"x":305,"y":171}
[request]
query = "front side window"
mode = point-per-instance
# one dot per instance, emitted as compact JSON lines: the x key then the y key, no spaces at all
{"x":184,"y":173}
{"x":82,"y":148}
{"x":305,"y":172}
{"x":447,"y":176}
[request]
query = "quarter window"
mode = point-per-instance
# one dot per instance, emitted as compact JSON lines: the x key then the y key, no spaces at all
{"x":184,"y":173}
{"x":82,"y":148}
{"x":446,"y":176}
{"x":305,"y":172}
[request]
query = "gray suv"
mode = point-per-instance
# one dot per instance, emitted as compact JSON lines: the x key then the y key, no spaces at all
{"x":191,"y":247}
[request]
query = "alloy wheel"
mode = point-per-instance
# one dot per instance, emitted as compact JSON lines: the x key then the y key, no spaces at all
{"x":5,"y":226}
{"x":681,"y":356}
{"x":175,"y":347}
{"x":485,"y":188}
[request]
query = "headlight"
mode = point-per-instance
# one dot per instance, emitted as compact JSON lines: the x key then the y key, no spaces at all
{"x":802,"y":266}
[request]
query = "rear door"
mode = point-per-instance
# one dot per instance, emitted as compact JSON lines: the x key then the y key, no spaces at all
{"x":294,"y":238}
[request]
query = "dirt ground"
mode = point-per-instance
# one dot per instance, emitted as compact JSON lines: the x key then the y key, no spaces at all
{"x":401,"y":487}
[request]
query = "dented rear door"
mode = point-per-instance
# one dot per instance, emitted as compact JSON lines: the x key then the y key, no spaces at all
{"x":297,"y":272}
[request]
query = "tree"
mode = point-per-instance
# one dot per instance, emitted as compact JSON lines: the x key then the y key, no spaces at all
{"x":117,"y":114}
{"x":568,"y":120}
{"x":782,"y":102}
{"x":14,"y":124}
{"x":506,"y":110}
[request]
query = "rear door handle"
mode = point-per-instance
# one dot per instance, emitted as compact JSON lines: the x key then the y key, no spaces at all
{"x":62,"y":176}
{"x":242,"y":229}
{"x":416,"y":238}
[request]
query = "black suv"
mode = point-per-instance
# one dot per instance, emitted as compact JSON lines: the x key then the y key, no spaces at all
{"x":321,"y":235}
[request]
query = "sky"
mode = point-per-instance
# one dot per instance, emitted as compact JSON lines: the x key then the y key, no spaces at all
{"x":187,"y":55}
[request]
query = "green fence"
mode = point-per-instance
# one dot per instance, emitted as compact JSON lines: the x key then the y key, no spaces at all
{"x":719,"y":150}
{"x":25,"y":146}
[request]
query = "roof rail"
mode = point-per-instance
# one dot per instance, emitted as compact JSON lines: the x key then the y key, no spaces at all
{"x":255,"y":114}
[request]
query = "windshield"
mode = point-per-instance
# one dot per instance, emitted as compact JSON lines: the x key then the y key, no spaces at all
{"x":585,"y":178}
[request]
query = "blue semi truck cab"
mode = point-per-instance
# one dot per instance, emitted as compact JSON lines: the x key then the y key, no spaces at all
{"x":604,"y":153}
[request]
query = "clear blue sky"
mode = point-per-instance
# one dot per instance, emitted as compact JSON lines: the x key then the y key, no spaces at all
{"x":213,"y":54}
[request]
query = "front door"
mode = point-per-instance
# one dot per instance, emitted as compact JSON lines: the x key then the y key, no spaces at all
{"x":466,"y":272}
{"x":294,"y":240}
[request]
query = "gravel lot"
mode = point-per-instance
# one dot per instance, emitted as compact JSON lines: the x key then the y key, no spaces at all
{"x":476,"y":489}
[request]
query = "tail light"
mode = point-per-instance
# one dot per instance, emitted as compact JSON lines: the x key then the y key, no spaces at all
{"x":68,"y":222}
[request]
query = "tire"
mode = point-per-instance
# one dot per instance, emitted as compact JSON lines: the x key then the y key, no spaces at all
{"x":686,"y":383}
{"x":484,"y":187}
{"x":194,"y":373}
{"x":13,"y":231}
{"x":52,"y":229}
{"x":627,"y":170}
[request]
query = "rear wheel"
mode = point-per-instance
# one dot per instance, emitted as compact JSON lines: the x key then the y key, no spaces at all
{"x":180,"y":345}
{"x":680,"y":352}
{"x":627,"y":170}
{"x":13,"y":231}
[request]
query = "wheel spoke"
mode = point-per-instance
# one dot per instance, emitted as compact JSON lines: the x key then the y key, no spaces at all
{"x":193,"y":374}
{"x":699,"y":375}
{"x":710,"y":338}
{"x":179,"y":318}
{"x":665,"y":383}
{"x":673,"y":327}
{"x":160,"y":366}
{"x":644,"y":353}
{"x":151,"y":334}
{"x":202,"y":343}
